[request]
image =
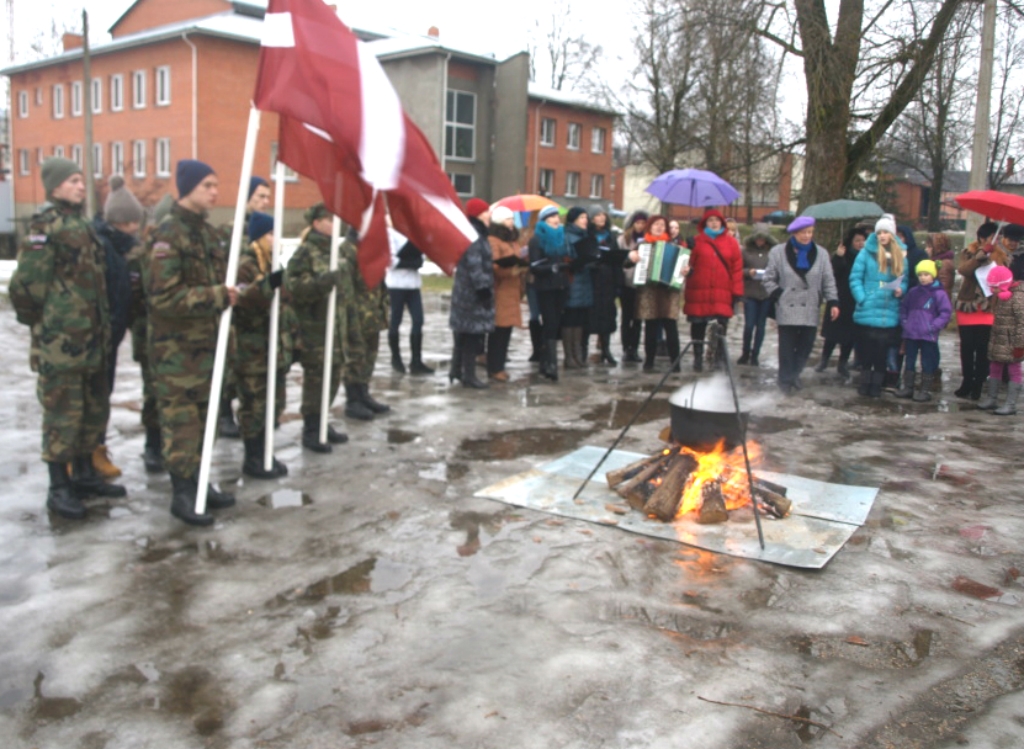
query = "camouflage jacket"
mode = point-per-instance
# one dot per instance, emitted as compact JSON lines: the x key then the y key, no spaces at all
{"x":310,"y":285}
{"x":60,"y":290}
{"x":368,"y":306}
{"x":183,"y":278}
{"x":251,"y":317}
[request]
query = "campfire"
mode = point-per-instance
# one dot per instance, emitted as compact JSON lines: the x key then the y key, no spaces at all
{"x":681,"y":480}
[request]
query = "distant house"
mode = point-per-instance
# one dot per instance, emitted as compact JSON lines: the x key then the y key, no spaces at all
{"x":912,"y":193}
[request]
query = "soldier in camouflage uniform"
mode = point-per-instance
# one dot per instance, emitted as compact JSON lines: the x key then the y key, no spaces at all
{"x":309,"y":280}
{"x":367,"y":313}
{"x":59,"y":290}
{"x":185,"y":295}
{"x":251,"y":319}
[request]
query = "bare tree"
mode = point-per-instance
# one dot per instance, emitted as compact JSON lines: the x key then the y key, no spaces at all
{"x":567,"y":57}
{"x":1007,"y":138}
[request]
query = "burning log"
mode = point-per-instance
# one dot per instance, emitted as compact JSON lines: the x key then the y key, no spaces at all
{"x":770,"y":486}
{"x":777,"y":504}
{"x":628,"y":472}
{"x":637,"y":490}
{"x":712,"y":507}
{"x":664,"y":502}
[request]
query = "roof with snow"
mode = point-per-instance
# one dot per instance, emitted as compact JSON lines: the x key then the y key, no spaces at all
{"x":570,"y":99}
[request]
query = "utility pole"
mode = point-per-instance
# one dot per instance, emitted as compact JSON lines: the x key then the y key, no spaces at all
{"x":982,"y":114}
{"x":90,"y":187}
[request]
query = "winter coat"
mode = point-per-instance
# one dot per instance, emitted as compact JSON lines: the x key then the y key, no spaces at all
{"x":946,"y":271}
{"x":912,"y":255}
{"x":629,"y":240}
{"x":507,"y":280}
{"x":608,"y":279}
{"x":755,"y":258}
{"x":472,"y":309}
{"x":798,"y":294}
{"x":549,"y":258}
{"x":581,"y":285}
{"x":116,"y":246}
{"x":971,"y":298}
{"x":925,"y":311}
{"x":876,"y":307}
{"x":841,"y":329}
{"x":1008,"y":329}
{"x":406,"y":261}
{"x":251,"y":316}
{"x":713,"y":283}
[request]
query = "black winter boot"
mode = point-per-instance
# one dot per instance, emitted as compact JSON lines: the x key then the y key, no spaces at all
{"x":416,"y":366}
{"x":355,"y":408}
{"x":549,"y":361}
{"x":152,"y":458}
{"x":396,"y":353}
{"x":469,"y":378}
{"x":536,"y":341}
{"x":60,"y":497}
{"x":877,"y":380}
{"x":226,"y":426}
{"x":375,"y":406}
{"x":823,"y":364}
{"x":864,"y":388}
{"x":606,"y":350}
{"x":455,"y":366}
{"x":87,"y":483}
{"x":218,"y":500}
{"x":183,"y":502}
{"x":255,"y":450}
{"x":311,"y":434}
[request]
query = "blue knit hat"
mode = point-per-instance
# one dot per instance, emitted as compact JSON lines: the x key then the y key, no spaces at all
{"x":547,"y":212}
{"x":254,"y":182}
{"x":260,"y":224}
{"x":190,"y":173}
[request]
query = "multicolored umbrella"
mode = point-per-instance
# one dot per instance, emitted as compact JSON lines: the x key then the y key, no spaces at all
{"x":523,"y":203}
{"x":693,"y":187}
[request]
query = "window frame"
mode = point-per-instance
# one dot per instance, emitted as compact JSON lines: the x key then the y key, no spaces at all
{"x":569,"y":178}
{"x":117,"y":158}
{"x":548,"y":188}
{"x":139,"y":93}
{"x":162,"y":72}
{"x":57,"y":108}
{"x":76,"y":98}
{"x":453,"y":176}
{"x":97,"y":96}
{"x":24,"y":162}
{"x":117,"y":92}
{"x":452,"y":127}
{"x":598,"y":134}
{"x":77,"y":154}
{"x":97,"y":160}
{"x":599,"y":178}
{"x":577,"y":129}
{"x":58,"y":151}
{"x":139,"y":159}
{"x":553,"y":139}
{"x":23,"y":104}
{"x":162,"y":154}
{"x":290,"y":175}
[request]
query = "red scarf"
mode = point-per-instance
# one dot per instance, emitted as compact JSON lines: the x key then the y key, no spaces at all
{"x":651,"y":238}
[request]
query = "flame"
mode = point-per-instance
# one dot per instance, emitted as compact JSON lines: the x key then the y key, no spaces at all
{"x":725,"y":466}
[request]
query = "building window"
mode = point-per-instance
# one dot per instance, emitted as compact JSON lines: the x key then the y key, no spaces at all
{"x":547,"y":132}
{"x":163,"y":85}
{"x":290,"y":175}
{"x":572,"y":184}
{"x":139,"y":158}
{"x":597,"y":185}
{"x":547,"y":181}
{"x":23,"y":103}
{"x":24,"y":167}
{"x":76,"y":155}
{"x":463,"y":183}
{"x":58,"y":101}
{"x":76,"y":98}
{"x":139,"y":89}
{"x":460,"y":126}
{"x":97,"y":95}
{"x":597,"y":138}
{"x":117,"y":158}
{"x":97,"y":159}
{"x":573,"y":142}
{"x":116,"y":93}
{"x":58,"y":151}
{"x":163,"y":157}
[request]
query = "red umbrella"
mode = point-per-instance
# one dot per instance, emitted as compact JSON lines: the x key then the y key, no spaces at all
{"x":1000,"y":206}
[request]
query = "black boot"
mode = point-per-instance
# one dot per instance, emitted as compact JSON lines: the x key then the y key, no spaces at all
{"x":469,"y":378}
{"x":416,"y":366}
{"x":60,"y":497}
{"x":455,"y":366}
{"x":311,"y":434}
{"x":375,"y":406}
{"x":218,"y":500}
{"x":823,"y":364}
{"x":87,"y":483}
{"x":396,"y":353}
{"x":877,"y":381}
{"x":537,"y":341}
{"x":335,"y":437}
{"x":183,"y":502}
{"x":255,"y":449}
{"x":549,"y":361}
{"x":355,"y":408}
{"x":226,"y":426}
{"x":864,"y":388}
{"x":151,"y":455}
{"x":606,"y":350}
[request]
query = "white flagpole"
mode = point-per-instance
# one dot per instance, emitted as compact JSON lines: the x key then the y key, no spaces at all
{"x":220,"y":360}
{"x":275,"y":321}
{"x":332,"y":308}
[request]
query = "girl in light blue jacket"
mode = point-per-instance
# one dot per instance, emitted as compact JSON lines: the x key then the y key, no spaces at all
{"x":877,"y":281}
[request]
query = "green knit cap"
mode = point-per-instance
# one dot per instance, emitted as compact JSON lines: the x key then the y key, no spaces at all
{"x":162,"y":208}
{"x":57,"y":169}
{"x":316,"y":212}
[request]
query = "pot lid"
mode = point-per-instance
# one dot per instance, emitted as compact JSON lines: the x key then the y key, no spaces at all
{"x":708,"y":394}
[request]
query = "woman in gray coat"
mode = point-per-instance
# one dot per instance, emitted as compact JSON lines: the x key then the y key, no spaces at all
{"x":798,"y":278}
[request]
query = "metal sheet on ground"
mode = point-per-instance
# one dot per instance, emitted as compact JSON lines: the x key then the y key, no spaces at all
{"x":808,"y":538}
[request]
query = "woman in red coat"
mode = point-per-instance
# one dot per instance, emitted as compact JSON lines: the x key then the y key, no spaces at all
{"x":714,"y":282}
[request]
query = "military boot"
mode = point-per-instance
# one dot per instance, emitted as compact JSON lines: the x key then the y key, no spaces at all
{"x":311,"y":434}
{"x":226,"y":426}
{"x":87,"y":483}
{"x":416,"y":366}
{"x":923,"y":392}
{"x":355,"y":408}
{"x":60,"y":497}
{"x":1009,"y":407}
{"x":183,"y":502}
{"x":376,"y":406}
{"x":151,"y":455}
{"x":992,"y":396}
{"x":396,"y":353}
{"x":255,"y":450}
{"x":218,"y":500}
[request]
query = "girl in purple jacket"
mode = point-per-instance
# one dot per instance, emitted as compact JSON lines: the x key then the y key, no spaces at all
{"x":924,"y":312}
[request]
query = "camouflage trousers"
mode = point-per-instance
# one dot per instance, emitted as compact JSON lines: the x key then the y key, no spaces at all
{"x":76,"y":406}
{"x":252,"y":397}
{"x":312,"y":361}
{"x":362,"y":354}
{"x":182,"y":423}
{"x":150,"y":417}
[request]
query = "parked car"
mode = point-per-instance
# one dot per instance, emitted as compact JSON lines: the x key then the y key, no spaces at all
{"x":779,"y":218}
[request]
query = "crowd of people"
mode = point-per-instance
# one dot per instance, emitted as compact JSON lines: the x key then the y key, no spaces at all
{"x":82,"y":284}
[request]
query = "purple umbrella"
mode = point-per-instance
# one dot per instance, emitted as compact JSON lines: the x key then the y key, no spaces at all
{"x":692,"y":187}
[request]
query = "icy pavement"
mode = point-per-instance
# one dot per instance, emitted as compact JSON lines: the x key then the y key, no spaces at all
{"x":369,"y":600}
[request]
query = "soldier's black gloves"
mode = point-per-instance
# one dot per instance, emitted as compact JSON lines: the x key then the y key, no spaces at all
{"x":276,"y":279}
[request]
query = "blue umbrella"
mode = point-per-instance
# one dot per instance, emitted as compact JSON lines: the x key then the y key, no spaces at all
{"x":692,"y":187}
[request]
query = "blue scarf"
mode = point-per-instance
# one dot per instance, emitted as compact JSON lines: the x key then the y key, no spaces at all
{"x":802,"y":254}
{"x":714,"y":233}
{"x":552,"y":240}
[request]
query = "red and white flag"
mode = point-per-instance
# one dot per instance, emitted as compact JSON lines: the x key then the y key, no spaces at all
{"x":343,"y":126}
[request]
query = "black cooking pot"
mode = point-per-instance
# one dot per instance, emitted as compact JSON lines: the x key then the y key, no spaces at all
{"x":701,"y":429}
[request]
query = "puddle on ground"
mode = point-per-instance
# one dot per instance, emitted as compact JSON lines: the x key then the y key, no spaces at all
{"x":616,"y":413}
{"x":160,"y":553}
{"x":512,"y":445}
{"x":51,"y":708}
{"x":923,"y":643}
{"x":194,"y":691}
{"x":471,"y":522}
{"x":372,"y":575}
{"x":400,"y":436}
{"x":285,"y":498}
